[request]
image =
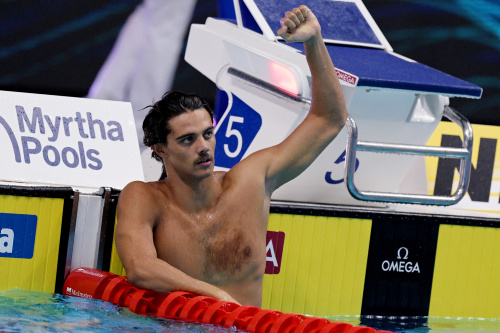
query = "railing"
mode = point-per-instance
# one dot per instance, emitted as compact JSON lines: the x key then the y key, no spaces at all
{"x":464,"y":154}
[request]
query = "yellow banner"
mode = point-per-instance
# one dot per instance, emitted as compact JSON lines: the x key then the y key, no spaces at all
{"x":30,"y":235}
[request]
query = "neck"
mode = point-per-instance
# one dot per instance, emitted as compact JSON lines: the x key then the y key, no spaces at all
{"x":194,"y":195}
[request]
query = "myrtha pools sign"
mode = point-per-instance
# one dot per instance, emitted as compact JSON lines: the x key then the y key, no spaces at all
{"x":67,"y":141}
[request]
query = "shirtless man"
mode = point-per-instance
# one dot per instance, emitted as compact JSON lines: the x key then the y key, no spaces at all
{"x":203,"y":231}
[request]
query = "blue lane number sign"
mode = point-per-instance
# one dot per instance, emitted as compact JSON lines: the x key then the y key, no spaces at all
{"x":235,"y":134}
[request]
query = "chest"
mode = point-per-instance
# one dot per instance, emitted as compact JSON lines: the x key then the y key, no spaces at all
{"x":226,"y":244}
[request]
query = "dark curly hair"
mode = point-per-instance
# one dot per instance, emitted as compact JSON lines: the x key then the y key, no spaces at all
{"x":172,"y":104}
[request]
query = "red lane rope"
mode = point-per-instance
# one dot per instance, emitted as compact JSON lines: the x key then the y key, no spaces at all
{"x":89,"y":282}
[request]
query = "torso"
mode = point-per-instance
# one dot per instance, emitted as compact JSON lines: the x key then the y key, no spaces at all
{"x":224,"y":246}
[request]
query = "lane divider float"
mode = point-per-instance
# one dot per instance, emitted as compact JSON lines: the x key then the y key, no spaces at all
{"x":181,"y":305}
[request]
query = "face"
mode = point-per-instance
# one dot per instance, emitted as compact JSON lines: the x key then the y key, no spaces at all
{"x":190,"y":145}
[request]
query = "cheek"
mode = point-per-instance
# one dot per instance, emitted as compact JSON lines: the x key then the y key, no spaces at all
{"x":184,"y":155}
{"x":179,"y":155}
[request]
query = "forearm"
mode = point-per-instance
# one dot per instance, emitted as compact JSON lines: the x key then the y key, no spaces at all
{"x":327,"y":96}
{"x":327,"y":114}
{"x":158,"y":275}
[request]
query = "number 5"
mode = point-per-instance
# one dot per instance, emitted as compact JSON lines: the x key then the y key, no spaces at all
{"x":230,"y":132}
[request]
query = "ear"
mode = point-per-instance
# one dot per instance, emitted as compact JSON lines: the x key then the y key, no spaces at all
{"x":160,"y":149}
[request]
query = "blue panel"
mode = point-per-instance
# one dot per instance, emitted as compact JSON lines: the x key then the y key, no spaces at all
{"x":235,"y":134}
{"x":225,"y":9}
{"x":339,"y":20}
{"x":377,"y":68}
{"x":247,"y":19}
{"x":17,"y":235}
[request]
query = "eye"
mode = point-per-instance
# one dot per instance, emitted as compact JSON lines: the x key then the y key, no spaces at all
{"x":208,"y":134}
{"x":186,"y":140}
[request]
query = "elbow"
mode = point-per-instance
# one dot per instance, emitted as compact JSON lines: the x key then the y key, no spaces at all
{"x":343,"y":115}
{"x":336,"y":116}
{"x":343,"y":118}
{"x":138,"y":275}
{"x":142,"y":274}
{"x":135,"y":277}
{"x":340,"y":120}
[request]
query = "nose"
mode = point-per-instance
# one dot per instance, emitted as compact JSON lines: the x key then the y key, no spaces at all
{"x":202,"y":146}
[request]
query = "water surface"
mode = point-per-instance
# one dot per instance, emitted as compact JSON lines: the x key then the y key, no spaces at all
{"x":27,"y":311}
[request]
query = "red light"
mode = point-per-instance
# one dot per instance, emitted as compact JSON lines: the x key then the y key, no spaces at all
{"x":283,"y":77}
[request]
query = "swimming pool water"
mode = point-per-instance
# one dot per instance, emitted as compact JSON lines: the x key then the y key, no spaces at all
{"x":23,"y":311}
{"x":424,"y":324}
{"x":27,"y":311}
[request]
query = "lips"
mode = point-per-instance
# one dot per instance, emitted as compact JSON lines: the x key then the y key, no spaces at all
{"x":204,"y":160}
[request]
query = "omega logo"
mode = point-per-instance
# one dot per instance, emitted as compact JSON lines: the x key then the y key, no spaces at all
{"x":406,"y":253}
{"x":401,"y":265}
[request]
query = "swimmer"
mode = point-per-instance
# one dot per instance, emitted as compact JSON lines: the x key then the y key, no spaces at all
{"x":203,"y":231}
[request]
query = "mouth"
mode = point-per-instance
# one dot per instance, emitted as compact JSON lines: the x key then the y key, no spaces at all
{"x":204,"y":161}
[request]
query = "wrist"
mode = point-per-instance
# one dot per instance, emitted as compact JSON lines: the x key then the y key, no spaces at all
{"x":315,"y":40}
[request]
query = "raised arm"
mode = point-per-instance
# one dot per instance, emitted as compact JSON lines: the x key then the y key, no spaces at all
{"x":327,"y":114}
{"x":137,"y":213}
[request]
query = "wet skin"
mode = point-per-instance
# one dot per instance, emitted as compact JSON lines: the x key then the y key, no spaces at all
{"x":220,"y":240}
{"x":223,"y":243}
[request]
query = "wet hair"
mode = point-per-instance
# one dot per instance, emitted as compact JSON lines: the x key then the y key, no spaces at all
{"x":172,"y":104}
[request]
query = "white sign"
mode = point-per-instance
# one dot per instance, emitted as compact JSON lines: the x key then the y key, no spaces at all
{"x":67,"y":141}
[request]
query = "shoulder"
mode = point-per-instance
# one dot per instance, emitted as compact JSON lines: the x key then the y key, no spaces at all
{"x":139,"y":195}
{"x":138,"y":204}
{"x":138,"y":188}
